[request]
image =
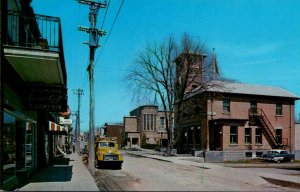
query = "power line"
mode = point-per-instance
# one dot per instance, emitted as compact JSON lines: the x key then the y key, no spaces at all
{"x":121,"y":5}
{"x":105,"y":15}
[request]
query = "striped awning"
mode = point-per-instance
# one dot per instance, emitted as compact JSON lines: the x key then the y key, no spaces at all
{"x":53,"y":127}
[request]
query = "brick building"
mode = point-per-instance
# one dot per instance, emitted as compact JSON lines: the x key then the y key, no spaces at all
{"x":148,"y":122}
{"x":33,"y":90}
{"x":114,"y":130}
{"x":238,"y":121}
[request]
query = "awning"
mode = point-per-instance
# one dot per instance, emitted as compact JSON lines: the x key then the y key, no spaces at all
{"x":55,"y":128}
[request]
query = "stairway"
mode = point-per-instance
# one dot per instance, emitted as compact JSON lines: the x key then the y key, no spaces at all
{"x":258,"y":116}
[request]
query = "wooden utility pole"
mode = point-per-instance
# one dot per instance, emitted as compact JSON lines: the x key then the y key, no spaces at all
{"x":78,"y":92}
{"x":93,"y":44}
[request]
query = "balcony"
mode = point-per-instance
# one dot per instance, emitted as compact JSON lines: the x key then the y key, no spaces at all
{"x":33,"y":46}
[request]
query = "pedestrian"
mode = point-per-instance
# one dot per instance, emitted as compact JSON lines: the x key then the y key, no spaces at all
{"x":73,"y":148}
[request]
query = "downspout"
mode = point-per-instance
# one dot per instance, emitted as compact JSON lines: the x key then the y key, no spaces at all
{"x":291,"y":127}
{"x":208,"y":124}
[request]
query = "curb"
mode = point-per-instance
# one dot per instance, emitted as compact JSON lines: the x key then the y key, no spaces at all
{"x":283,"y":183}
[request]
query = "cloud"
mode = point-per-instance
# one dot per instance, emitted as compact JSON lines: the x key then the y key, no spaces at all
{"x":261,"y":49}
{"x":246,"y":49}
{"x":259,"y":62}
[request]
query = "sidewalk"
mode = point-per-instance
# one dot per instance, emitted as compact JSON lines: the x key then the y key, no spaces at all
{"x":245,"y":175}
{"x":66,"y":174}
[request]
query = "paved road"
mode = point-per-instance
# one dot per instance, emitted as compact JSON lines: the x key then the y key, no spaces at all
{"x":146,"y":174}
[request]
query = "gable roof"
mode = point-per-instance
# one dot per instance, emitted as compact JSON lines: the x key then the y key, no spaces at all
{"x":247,"y":89}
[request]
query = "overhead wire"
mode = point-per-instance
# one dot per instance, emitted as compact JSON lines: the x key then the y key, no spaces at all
{"x":112,"y":26}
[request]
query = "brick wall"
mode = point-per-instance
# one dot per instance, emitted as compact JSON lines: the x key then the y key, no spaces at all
{"x":115,"y":131}
{"x":239,"y":106}
{"x":130,"y":124}
{"x":297,"y":141}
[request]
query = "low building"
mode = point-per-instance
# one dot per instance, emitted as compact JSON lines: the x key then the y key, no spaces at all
{"x":115,"y":130}
{"x":234,"y":121}
{"x":145,"y":123}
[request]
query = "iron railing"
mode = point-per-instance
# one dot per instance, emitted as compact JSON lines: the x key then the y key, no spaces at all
{"x":36,"y":32}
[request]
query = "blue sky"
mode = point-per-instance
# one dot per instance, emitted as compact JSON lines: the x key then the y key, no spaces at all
{"x":256,"y":42}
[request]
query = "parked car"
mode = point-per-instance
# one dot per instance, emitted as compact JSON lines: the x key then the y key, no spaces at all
{"x":278,"y":155}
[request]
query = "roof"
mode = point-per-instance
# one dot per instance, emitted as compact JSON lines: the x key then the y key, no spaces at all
{"x":247,"y":89}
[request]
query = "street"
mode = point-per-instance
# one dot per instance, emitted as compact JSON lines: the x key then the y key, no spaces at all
{"x":146,"y":174}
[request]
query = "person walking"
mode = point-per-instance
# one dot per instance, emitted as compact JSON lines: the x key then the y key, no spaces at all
{"x":73,"y":145}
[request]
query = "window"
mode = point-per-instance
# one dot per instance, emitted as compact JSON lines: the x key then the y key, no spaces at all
{"x":233,"y":134}
{"x":247,"y":135}
{"x":258,"y":136}
{"x":278,"y":109}
{"x":194,"y":86}
{"x":9,"y":141}
{"x":248,"y":154}
{"x":162,"y":122}
{"x":279,"y":136}
{"x":149,"y":121}
{"x":226,"y":105}
{"x":253,"y":104}
{"x":259,"y":154}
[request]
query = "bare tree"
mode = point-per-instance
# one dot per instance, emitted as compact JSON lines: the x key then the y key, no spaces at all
{"x":170,"y":71}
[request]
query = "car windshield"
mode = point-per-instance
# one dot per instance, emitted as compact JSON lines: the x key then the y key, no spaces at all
{"x":273,"y":152}
{"x":106,"y":144}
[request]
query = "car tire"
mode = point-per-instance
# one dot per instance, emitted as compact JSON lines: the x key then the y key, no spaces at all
{"x":291,"y":160}
{"x":278,"y":161}
{"x":96,"y":164}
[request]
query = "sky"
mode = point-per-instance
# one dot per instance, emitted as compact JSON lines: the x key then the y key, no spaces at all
{"x":256,"y":42}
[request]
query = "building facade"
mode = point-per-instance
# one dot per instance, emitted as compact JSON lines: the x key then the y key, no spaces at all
{"x":233,"y":121}
{"x":145,"y":124}
{"x":115,"y":130}
{"x":33,"y":90}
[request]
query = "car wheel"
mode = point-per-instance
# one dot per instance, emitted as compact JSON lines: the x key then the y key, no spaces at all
{"x":278,"y":161}
{"x":96,"y":164}
{"x":291,"y":160}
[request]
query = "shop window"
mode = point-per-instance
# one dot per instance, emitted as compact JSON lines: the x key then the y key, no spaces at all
{"x":18,"y":145}
{"x":9,"y":146}
{"x":233,"y":134}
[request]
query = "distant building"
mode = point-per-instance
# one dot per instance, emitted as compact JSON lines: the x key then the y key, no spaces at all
{"x":115,"y":130}
{"x":145,"y":122}
{"x":237,"y":121}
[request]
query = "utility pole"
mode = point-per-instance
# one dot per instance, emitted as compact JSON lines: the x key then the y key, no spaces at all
{"x":78,"y":92}
{"x":93,"y":44}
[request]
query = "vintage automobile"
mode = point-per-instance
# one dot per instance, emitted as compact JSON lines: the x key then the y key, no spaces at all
{"x":278,"y":155}
{"x":107,"y":154}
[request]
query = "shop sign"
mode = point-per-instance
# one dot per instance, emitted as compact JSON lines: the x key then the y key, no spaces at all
{"x":64,"y":121}
{"x":46,"y":98}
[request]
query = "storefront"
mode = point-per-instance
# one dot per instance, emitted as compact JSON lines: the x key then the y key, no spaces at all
{"x":18,"y":140}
